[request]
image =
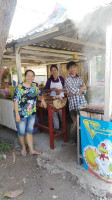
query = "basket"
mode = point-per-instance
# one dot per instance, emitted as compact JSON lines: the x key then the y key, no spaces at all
{"x":12,"y":90}
{"x":55,"y":103}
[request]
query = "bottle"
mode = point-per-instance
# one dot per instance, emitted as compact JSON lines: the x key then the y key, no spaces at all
{"x":7,"y":91}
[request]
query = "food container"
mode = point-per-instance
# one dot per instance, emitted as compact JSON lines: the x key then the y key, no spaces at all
{"x":7,"y":90}
{"x":2,"y":92}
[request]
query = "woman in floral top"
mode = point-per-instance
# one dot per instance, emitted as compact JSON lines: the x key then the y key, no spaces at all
{"x":25,"y":97}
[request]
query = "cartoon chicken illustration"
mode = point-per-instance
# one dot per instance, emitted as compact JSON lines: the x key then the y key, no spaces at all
{"x":99,"y":160}
{"x":104,"y":151}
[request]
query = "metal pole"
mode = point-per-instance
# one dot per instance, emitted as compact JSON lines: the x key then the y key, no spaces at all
{"x":108,"y":74}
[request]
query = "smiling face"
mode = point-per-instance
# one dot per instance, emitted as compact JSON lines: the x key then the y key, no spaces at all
{"x":54,"y":72}
{"x":72,"y":70}
{"x":29,"y":78}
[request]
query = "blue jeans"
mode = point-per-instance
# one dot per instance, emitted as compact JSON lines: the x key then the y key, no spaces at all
{"x":56,"y":119}
{"x":26,"y":125}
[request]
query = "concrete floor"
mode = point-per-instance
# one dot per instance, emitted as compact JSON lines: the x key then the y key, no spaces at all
{"x":62,"y":159}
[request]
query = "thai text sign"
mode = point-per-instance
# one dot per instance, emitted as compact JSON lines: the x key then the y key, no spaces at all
{"x":96,"y":144}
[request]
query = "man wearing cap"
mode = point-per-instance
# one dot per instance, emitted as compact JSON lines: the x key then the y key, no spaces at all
{"x":76,"y":89}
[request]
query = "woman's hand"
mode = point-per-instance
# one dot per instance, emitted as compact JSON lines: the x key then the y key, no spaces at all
{"x":18,"y":119}
{"x":54,"y":89}
{"x":43,"y":103}
{"x":40,"y":98}
{"x":59,"y":91}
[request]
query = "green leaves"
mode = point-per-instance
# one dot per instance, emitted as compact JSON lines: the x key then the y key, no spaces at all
{"x":4,"y":147}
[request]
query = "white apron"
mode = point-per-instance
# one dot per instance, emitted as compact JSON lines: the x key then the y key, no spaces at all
{"x":57,"y":85}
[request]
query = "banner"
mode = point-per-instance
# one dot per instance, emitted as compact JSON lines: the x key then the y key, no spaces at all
{"x":96,"y":146}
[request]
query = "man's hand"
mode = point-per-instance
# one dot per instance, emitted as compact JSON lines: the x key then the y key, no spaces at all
{"x":18,"y":120}
{"x":70,"y":95}
{"x":80,"y":91}
{"x":83,"y":87}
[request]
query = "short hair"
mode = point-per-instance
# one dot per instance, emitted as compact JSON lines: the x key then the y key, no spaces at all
{"x":70,"y":64}
{"x":29,"y":70}
{"x":53,"y":66}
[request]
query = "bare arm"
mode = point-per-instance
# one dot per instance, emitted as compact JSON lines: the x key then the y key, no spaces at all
{"x":82,"y":90}
{"x":43,"y":103}
{"x":83,"y":87}
{"x":72,"y":90}
{"x":16,"y":112}
{"x":59,"y":91}
{"x":53,"y":89}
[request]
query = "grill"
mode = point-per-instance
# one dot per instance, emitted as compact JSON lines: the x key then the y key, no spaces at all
{"x":98,"y":109}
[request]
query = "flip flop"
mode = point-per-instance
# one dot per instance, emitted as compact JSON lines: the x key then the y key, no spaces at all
{"x":35,"y":152}
{"x":23,"y":153}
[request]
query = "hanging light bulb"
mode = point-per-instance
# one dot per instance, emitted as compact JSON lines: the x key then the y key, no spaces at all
{"x":75,"y":57}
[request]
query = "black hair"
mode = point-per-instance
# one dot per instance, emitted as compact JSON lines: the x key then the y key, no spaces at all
{"x":51,"y":77}
{"x":70,"y":64}
{"x":54,"y":67}
{"x":29,"y":70}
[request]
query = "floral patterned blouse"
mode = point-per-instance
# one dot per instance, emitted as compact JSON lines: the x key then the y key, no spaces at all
{"x":26,"y":98}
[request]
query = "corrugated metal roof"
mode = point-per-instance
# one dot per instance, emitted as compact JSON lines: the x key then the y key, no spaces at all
{"x":58,"y":16}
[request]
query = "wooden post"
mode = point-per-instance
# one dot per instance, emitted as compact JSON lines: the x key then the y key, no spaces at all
{"x":64,"y":123}
{"x":108,"y":75}
{"x":18,"y":65}
{"x":11,"y":74}
{"x":58,"y":65}
{"x":50,"y":119}
{"x":89,"y":73}
{"x":40,"y":118}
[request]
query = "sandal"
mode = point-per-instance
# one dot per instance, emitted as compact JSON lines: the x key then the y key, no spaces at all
{"x":23,"y":153}
{"x":35,"y":152}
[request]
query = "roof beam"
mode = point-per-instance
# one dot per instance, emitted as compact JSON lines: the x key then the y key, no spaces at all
{"x":33,"y":58}
{"x":34,"y":49}
{"x":40,"y":53}
{"x":44,"y":58}
{"x":72,"y":40}
{"x":53,"y":50}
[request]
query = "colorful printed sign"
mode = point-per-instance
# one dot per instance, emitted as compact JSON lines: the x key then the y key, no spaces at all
{"x":96,"y":144}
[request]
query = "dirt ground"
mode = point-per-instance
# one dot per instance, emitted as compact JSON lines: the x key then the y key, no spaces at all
{"x":18,"y":173}
{"x":37,"y":183}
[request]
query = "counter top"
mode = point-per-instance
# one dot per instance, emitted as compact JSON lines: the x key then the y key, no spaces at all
{"x":6,"y":98}
{"x":6,"y":113}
